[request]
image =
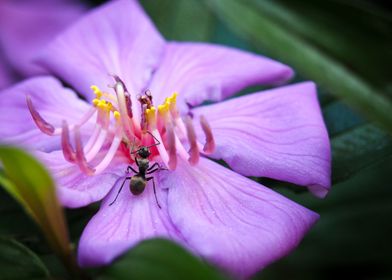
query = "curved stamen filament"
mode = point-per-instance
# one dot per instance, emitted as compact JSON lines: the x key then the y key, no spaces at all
{"x":68,"y":151}
{"x":93,"y":138}
{"x":41,"y":123}
{"x":122,"y":108}
{"x":209,"y":146}
{"x":96,"y":147}
{"x":171,"y":146}
{"x":113,"y":148}
{"x":194,"y":149}
{"x":48,"y":128}
{"x":80,"y":158}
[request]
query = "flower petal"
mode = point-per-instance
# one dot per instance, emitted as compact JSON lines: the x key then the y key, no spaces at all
{"x":117,"y":38}
{"x":130,"y":219}
{"x":26,"y":26}
{"x":7,"y":77}
{"x":200,"y":72}
{"x":232,"y":221}
{"x":53,"y":102}
{"x":76,"y":189}
{"x":277,"y":133}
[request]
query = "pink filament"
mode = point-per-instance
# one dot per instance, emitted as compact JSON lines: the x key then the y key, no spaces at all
{"x":93,"y":138}
{"x":209,"y":146}
{"x":171,"y":146}
{"x":109,"y":155}
{"x":68,"y":151}
{"x":194,"y":150}
{"x":96,"y":147}
{"x":43,"y":125}
{"x":80,"y":158}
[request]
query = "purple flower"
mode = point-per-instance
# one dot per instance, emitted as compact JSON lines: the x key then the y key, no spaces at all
{"x":215,"y":212}
{"x":25,"y":27}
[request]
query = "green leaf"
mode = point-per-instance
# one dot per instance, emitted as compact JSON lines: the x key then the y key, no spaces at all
{"x":309,"y":40}
{"x":357,"y":149}
{"x":30,"y":184}
{"x":159,"y":259}
{"x":175,"y":17}
{"x":19,"y":262}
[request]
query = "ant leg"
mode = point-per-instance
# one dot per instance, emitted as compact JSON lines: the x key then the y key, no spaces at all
{"x":152,"y":171}
{"x":130,"y":167}
{"x":152,"y":166}
{"x":159,"y":167}
{"x":118,"y":193}
{"x":155,"y":192}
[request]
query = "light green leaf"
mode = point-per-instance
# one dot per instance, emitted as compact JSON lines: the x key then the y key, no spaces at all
{"x":30,"y":184}
{"x":159,"y":259}
{"x":288,"y":36}
{"x":19,"y":262}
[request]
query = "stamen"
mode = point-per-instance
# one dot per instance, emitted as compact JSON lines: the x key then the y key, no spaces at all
{"x":113,"y":147}
{"x":80,"y":158}
{"x":68,"y":151}
{"x":87,"y":116}
{"x":109,"y":155}
{"x":209,"y":146}
{"x":96,"y":147}
{"x":171,"y":146}
{"x":194,"y":150}
{"x":43,"y":125}
{"x":122,"y":108}
{"x":93,"y":138}
{"x":97,"y":91}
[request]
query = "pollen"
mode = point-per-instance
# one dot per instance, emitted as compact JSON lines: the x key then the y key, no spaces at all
{"x":172,"y":99}
{"x":116,"y":115}
{"x":150,"y":115}
{"x":163,"y":109}
{"x":96,"y":102}
{"x":97,"y":91}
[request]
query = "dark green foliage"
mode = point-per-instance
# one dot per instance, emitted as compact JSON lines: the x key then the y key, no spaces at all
{"x":19,"y":262}
{"x":159,"y":259}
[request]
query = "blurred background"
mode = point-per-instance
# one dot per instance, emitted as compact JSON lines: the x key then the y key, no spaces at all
{"x":346,"y":47}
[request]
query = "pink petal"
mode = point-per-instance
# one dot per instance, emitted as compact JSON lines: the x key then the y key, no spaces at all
{"x":27,"y":25}
{"x":200,"y":72}
{"x":54,"y":103}
{"x":76,"y":189}
{"x":232,"y":221}
{"x":130,"y":219}
{"x":117,"y":38}
{"x":277,"y":133}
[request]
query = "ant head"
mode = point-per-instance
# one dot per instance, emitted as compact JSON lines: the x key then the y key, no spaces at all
{"x":144,"y":152}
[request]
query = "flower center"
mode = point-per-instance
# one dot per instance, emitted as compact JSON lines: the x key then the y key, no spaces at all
{"x":118,"y":130}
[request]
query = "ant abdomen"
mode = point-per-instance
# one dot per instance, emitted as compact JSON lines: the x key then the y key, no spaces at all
{"x":137,"y":185}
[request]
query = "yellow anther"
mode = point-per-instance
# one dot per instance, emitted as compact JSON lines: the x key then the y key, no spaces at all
{"x":163,"y":109}
{"x":116,"y":115}
{"x":96,"y":101}
{"x":97,"y":91}
{"x":173,"y":104}
{"x":150,"y":115}
{"x":173,"y":98}
{"x":109,"y":106}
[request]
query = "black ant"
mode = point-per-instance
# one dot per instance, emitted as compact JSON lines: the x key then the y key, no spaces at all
{"x":139,"y":180}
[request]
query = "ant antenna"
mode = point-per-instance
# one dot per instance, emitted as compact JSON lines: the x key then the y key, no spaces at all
{"x":155,"y":144}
